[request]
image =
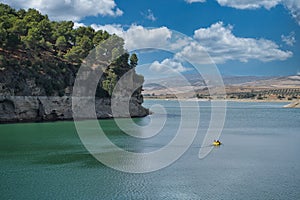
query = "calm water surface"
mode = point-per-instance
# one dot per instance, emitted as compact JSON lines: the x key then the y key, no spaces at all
{"x":259,"y":159}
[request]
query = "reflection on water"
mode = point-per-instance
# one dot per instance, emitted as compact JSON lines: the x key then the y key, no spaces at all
{"x":259,"y":159}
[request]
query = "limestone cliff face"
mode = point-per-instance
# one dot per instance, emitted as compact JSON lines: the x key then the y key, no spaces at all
{"x":30,"y":107}
{"x":42,"y":108}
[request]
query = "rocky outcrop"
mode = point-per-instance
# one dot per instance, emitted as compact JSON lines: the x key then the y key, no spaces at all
{"x":42,"y":108}
{"x":295,"y":104}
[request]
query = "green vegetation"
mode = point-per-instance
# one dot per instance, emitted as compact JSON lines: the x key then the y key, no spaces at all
{"x":258,"y":94}
{"x":41,"y":57}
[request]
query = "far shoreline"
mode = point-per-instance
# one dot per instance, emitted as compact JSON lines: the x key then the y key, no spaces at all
{"x":229,"y":100}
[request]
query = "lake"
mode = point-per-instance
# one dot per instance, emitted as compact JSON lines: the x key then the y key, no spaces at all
{"x":259,"y":159}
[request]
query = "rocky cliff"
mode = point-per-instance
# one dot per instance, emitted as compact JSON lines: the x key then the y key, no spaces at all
{"x":39,"y":63}
{"x":42,"y":108}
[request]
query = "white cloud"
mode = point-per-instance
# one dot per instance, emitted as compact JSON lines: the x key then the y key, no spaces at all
{"x":149,"y":15}
{"x":110,"y":28}
{"x":195,"y":53}
{"x":222,"y":45}
{"x":249,"y":4}
{"x":140,"y":37}
{"x":292,"y":5}
{"x":244,"y":4}
{"x":167,"y":66}
{"x":289,"y":39}
{"x":179,"y":42}
{"x":69,"y":9}
{"x":193,"y":1}
{"x":77,"y":25}
{"x":137,"y":36}
{"x":217,"y":40}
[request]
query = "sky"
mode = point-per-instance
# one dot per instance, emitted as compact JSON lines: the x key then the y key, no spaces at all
{"x":241,"y":37}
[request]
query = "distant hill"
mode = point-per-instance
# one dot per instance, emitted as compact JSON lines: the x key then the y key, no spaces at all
{"x":275,"y":82}
{"x":196,"y":80}
{"x":237,"y":87}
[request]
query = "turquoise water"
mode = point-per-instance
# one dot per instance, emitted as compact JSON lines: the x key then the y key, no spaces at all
{"x":259,"y":159}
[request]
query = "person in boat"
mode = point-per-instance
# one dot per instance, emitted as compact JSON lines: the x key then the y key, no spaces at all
{"x":217,"y":142}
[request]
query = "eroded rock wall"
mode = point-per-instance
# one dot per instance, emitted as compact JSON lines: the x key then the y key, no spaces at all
{"x":42,"y":108}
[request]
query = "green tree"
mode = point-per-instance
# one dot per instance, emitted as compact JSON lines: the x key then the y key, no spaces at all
{"x":74,"y":54}
{"x":15,"y":32}
{"x":105,"y":35}
{"x":133,"y":60}
{"x":45,"y":29}
{"x":61,"y":43}
{"x":12,"y":40}
{"x":108,"y":50}
{"x":86,"y":43}
{"x":3,"y":36}
{"x":19,"y":27}
{"x":100,"y":36}
{"x":32,"y":39}
{"x":32,"y":18}
{"x":115,"y":54}
{"x":64,"y":28}
{"x":120,"y":65}
{"x":110,"y":82}
{"x":84,"y":31}
{"x":21,"y":13}
{"x":6,"y":10}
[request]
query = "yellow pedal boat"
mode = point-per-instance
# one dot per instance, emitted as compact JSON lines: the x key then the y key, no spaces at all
{"x":217,"y":143}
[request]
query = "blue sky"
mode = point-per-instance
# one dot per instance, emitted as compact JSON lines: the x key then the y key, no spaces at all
{"x":251,"y":37}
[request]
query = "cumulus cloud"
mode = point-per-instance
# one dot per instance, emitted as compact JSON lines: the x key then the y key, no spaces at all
{"x":197,"y":54}
{"x":244,"y":4}
{"x":216,"y":42}
{"x":149,"y":15}
{"x":77,"y":25}
{"x":168,"y":66}
{"x":289,"y":39}
{"x":292,"y":5}
{"x":69,"y":9}
{"x":249,"y":4}
{"x":193,"y":1}
{"x":222,"y":45}
{"x":110,"y":28}
{"x":140,"y":37}
{"x":137,"y":36}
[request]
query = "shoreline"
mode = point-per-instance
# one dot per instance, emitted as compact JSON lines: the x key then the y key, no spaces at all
{"x":66,"y":120}
{"x":22,"y":109}
{"x":229,"y":100}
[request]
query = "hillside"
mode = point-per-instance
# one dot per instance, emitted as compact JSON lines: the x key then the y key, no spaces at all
{"x":237,"y":87}
{"x":39,"y":57}
{"x":39,"y":60}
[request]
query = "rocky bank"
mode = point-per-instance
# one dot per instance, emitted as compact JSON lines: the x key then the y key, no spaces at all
{"x":43,"y":108}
